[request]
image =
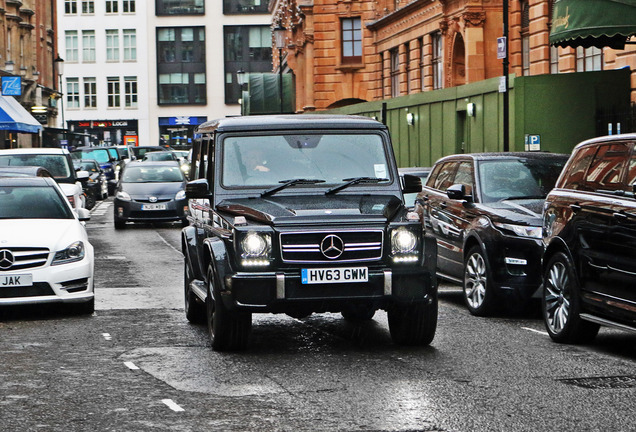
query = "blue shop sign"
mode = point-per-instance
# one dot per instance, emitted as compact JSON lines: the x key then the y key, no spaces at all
{"x":181,"y":121}
{"x":12,"y":86}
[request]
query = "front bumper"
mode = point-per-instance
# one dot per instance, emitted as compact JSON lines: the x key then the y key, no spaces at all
{"x":516,"y":266}
{"x":283,"y":291}
{"x":131,"y":211}
{"x":65,"y":283}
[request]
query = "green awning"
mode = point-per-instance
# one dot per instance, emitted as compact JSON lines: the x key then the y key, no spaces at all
{"x":599,"y":23}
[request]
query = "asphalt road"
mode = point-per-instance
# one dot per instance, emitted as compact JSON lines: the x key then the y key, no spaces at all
{"x":136,"y":364}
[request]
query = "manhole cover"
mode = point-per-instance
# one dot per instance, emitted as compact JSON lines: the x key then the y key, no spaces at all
{"x":611,"y":382}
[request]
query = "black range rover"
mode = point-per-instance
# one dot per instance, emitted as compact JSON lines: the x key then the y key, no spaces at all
{"x":303,"y":214}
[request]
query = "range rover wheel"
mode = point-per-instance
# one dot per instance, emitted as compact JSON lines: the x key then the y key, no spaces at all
{"x":561,"y":303}
{"x":413,"y":324}
{"x":478,"y":294}
{"x":229,"y":330}
{"x":194,"y":309}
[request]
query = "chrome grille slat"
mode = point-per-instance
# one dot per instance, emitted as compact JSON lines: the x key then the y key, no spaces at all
{"x":304,"y":247}
{"x":25,"y":258}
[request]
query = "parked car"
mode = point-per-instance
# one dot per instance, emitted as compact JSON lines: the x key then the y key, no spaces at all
{"x":157,"y":156}
{"x":485,"y":213}
{"x":138,"y":152}
{"x":184,"y":160}
{"x":106,"y":161}
{"x":56,"y":161}
{"x":589,"y":232}
{"x":45,"y":255}
{"x":150,"y":192}
{"x":422,"y":173}
{"x":303,"y":214}
{"x":96,"y":185}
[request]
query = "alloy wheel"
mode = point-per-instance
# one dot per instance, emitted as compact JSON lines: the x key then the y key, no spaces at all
{"x":475,"y":281}
{"x":557,"y":297}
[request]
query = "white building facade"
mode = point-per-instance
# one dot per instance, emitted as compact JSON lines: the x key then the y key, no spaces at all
{"x":147,"y":72}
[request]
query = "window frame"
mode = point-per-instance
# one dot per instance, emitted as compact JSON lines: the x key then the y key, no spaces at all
{"x":113,"y":86}
{"x":349,"y":41}
{"x":88,"y":46}
{"x":72,"y":93}
{"x":112,"y":45}
{"x":90,"y":92}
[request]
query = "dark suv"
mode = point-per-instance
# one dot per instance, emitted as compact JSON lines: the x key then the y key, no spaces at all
{"x":589,"y":230}
{"x":303,"y":214}
{"x":484,"y":209}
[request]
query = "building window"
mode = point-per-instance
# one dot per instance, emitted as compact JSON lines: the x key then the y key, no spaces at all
{"x":128,"y":6}
{"x":554,"y":60}
{"x":112,"y":6}
{"x":70,"y":7}
{"x":88,"y":7}
{"x":395,"y":72}
{"x":130,"y":92}
{"x":351,"y":40}
{"x":130,"y":44}
{"x":244,"y":6}
{"x":436,"y":61}
{"x":181,"y":62}
{"x":88,"y":46}
{"x":90,"y":93}
{"x":248,"y":48}
{"x":72,"y":45}
{"x":420,"y":43}
{"x":407,"y":67}
{"x":113,"y":92}
{"x":72,"y":93}
{"x":589,"y":59}
{"x":180,"y":7}
{"x":525,"y":54}
{"x":112,"y":45}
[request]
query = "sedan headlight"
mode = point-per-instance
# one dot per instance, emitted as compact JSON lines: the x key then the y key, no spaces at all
{"x":521,"y":230}
{"x":75,"y":252}
{"x":404,"y":245}
{"x":256,"y":249}
{"x":180,"y":195}
{"x":123,"y":196}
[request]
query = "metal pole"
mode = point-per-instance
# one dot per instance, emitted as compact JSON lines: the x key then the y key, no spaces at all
{"x":280,"y":76}
{"x":62,"y":104}
{"x":506,"y":109}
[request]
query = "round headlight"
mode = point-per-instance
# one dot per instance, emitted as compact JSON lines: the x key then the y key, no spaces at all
{"x":403,"y":241}
{"x":254,"y":245}
{"x":75,"y":250}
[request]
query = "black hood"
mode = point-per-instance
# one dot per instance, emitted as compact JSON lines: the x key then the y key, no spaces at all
{"x":315,"y":208}
{"x":159,"y":190}
{"x":522,"y":212}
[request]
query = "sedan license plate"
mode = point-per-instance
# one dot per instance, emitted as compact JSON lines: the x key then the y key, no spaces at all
{"x":334,"y":275}
{"x":16,"y":280}
{"x":153,"y":206}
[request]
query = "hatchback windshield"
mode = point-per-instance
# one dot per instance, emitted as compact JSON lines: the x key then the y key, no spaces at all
{"x":152,"y":174}
{"x":32,"y":202}
{"x":518,"y":178}
{"x":271,"y":159}
{"x":56,"y":164}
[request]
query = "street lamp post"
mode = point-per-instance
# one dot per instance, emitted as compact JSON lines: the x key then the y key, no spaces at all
{"x":59,"y":63}
{"x":279,"y":39}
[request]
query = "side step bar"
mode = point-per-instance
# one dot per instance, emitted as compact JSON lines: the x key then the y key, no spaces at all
{"x":199,"y":289}
{"x":606,"y":322}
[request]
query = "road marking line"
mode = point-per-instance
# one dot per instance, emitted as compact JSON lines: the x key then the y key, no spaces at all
{"x":536,"y":331}
{"x":131,"y":365}
{"x":172,"y":405}
{"x":169,"y":245}
{"x":106,"y":336}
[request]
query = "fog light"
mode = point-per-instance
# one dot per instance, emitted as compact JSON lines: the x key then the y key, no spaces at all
{"x":120,"y":211}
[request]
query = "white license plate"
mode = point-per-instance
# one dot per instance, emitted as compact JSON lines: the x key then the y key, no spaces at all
{"x":153,"y":206}
{"x":335,"y":275}
{"x":16,"y":280}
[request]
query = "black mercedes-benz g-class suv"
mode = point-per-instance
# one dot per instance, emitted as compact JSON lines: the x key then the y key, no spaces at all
{"x":302,"y":214}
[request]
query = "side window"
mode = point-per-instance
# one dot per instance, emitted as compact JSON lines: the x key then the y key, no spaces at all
{"x":577,"y":169}
{"x":631,"y":171}
{"x":445,"y":177}
{"x":465,"y":176}
{"x":194,"y":160}
{"x":210,"y":160}
{"x":430,"y":181}
{"x":606,"y":167}
{"x":203,"y":156}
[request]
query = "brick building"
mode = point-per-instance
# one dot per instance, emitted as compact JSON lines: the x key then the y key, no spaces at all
{"x":348,"y":51}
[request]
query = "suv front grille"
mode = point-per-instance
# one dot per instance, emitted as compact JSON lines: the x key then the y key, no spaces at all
{"x":25,"y":257}
{"x":308,"y":246}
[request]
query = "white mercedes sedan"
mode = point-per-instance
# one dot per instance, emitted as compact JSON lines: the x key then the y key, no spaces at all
{"x":45,"y":255}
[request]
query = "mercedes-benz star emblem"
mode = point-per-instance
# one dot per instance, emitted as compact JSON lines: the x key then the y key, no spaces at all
{"x":332,"y":246}
{"x":152,"y":199}
{"x":6,"y":259}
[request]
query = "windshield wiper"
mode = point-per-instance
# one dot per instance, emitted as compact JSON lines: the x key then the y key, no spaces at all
{"x":523,"y":197}
{"x":287,"y":183}
{"x":354,"y":180}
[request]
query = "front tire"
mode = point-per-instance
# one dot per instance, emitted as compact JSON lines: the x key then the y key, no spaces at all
{"x":194,"y":309}
{"x":561,"y":303}
{"x":228,"y":330}
{"x":478,"y":293}
{"x":413,"y":324}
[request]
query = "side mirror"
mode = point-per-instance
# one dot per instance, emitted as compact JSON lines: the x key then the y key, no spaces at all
{"x":412,"y":184}
{"x":83,"y":214}
{"x":197,"y":189}
{"x":82,"y":175}
{"x":458,"y":192}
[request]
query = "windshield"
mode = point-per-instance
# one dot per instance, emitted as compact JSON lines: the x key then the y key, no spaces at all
{"x":518,"y":178}
{"x":268,"y":160}
{"x":153,"y":174}
{"x":159,"y":156}
{"x":100,"y":156}
{"x":56,"y":164}
{"x":32,"y":202}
